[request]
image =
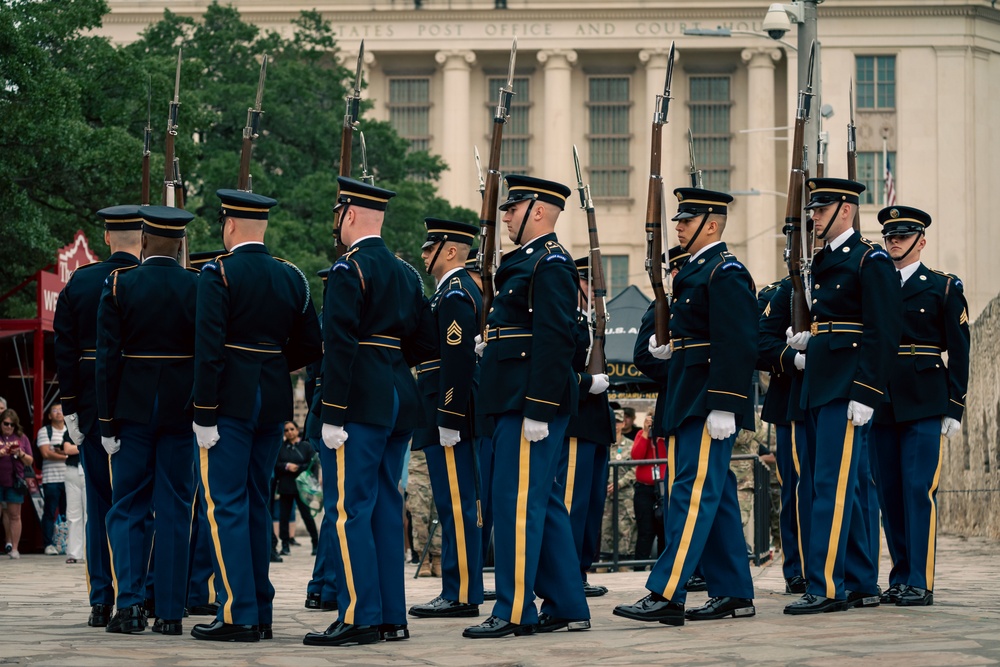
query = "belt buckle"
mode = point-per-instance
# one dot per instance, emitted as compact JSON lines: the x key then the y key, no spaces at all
{"x":814,"y":328}
{"x":673,"y":347}
{"x":913,"y":349}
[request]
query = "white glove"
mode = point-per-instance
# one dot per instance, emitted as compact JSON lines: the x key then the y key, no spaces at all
{"x":334,"y":436}
{"x":73,"y":427}
{"x":720,"y":424}
{"x":599,"y":383}
{"x":480,"y":345}
{"x":659,"y":351}
{"x":534,"y":430}
{"x":800,"y":361}
{"x":949,"y":426}
{"x":111,"y":445}
{"x":797,"y":341}
{"x":449,"y":437}
{"x":206,"y":436}
{"x":859,"y":413}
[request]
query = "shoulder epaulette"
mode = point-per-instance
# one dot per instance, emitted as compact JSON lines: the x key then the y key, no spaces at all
{"x":554,"y":250}
{"x":88,"y":264}
{"x":216,"y":264}
{"x":114,"y":280}
{"x":770,"y":288}
{"x":455,"y":288}
{"x":191,"y":269}
{"x":950,"y":279}
{"x":875,"y":251}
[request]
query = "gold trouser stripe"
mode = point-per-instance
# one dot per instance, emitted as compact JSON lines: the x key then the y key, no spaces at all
{"x":570,"y":475}
{"x":932,"y":531}
{"x":227,"y":609}
{"x":692,"y":516}
{"x":520,"y":528}
{"x":671,"y":463}
{"x":86,"y":569}
{"x":111,"y":553}
{"x":212,"y":598}
{"x":838,"y":511}
{"x":798,"y":516}
{"x":456,"y":511}
{"x":342,"y":536}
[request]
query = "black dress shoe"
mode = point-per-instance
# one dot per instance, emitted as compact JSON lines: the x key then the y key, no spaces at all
{"x":128,"y":620}
{"x":219,"y":631}
{"x":859,"y":600}
{"x":100,"y":614}
{"x":915,"y":597}
{"x":393,"y":632}
{"x":593,"y":591}
{"x":264,"y":631}
{"x":442,"y":608}
{"x":653,"y":609}
{"x":814,"y":604}
{"x":275,"y":557}
{"x":167,"y":627}
{"x":313,"y":600}
{"x":210,"y":609}
{"x":548,"y":623}
{"x":795,"y":585}
{"x":490,"y":594}
{"x":315,"y":549}
{"x":696,"y":583}
{"x":285,"y":550}
{"x":343,"y":634}
{"x":494,"y":627}
{"x":722,"y":607}
{"x":891,"y":594}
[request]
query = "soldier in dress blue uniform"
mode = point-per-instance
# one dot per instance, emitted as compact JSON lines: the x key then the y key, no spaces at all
{"x":713,"y":319}
{"x":145,"y":372}
{"x":782,"y":410}
{"x":447,"y":385}
{"x":927,"y":401}
{"x":527,"y":364}
{"x":855,"y":328}
{"x":255,"y":324}
{"x":75,"y":326}
{"x":583,"y":462}
{"x":373,"y":307}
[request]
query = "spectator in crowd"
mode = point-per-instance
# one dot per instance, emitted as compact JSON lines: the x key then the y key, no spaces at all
{"x":622,"y":451}
{"x":294,"y":458}
{"x":76,"y":503}
{"x":648,"y":494}
{"x":50,"y":445}
{"x":15,"y":456}
{"x":629,"y":429}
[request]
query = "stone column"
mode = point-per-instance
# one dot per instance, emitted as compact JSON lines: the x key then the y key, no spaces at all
{"x":554,"y":161}
{"x":459,"y":181}
{"x":369,"y":63}
{"x":761,"y":211}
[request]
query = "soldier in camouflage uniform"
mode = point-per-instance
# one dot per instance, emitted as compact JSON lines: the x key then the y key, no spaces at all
{"x":626,"y":506}
{"x":420,"y":505}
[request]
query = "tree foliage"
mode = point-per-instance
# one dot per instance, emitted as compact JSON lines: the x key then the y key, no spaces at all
{"x":74,"y":107}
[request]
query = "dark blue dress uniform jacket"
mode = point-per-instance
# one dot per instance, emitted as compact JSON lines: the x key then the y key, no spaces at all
{"x":75,"y":326}
{"x":447,"y":383}
{"x":594,"y":420}
{"x":776,"y":357}
{"x":713,"y":329}
{"x":374,"y":305}
{"x":527,"y":367}
{"x":255,"y":324}
{"x":146,"y":345}
{"x":844,"y":365}
{"x":655,"y":369}
{"x":935,"y":316}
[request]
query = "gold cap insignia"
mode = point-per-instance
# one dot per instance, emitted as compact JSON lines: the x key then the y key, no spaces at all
{"x":894,"y":213}
{"x":812,"y":185}
{"x":680,"y":197}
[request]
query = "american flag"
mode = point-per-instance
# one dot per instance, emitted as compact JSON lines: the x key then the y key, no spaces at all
{"x":888,"y":181}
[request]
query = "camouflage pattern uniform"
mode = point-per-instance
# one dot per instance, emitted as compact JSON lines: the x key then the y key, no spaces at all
{"x":753,"y":443}
{"x":420,"y":505}
{"x":626,"y":506}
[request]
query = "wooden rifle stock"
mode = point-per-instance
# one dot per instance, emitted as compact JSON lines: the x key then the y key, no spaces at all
{"x":251,"y":131}
{"x":654,"y":241}
{"x":347,"y":141}
{"x":487,"y":219}
{"x":596,"y":358}
{"x":794,"y":232}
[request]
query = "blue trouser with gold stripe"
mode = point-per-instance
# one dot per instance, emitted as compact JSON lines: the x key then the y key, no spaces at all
{"x":803,"y":491}
{"x":837,"y":557}
{"x":909,"y":468}
{"x":583,"y":473}
{"x":485,"y":445}
{"x":201,"y":584}
{"x":453,"y":483}
{"x":97,"y":482}
{"x":867,"y":496}
{"x":235,"y":477}
{"x":153,"y":468}
{"x":703,"y":525}
{"x":533,"y":538}
{"x":361,"y":494}
{"x":324,"y":575}
{"x":788,"y":518}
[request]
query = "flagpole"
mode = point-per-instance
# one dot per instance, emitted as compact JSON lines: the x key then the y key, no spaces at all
{"x":885,"y":173}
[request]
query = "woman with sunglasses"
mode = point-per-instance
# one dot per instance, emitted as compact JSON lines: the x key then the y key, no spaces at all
{"x":293,"y":459}
{"x":15,"y":456}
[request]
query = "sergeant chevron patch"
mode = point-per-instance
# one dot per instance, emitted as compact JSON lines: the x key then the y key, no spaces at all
{"x":964,"y":317}
{"x":448,"y":395}
{"x":454,"y":334}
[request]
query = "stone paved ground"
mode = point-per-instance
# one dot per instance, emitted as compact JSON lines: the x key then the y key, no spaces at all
{"x":43,"y":622}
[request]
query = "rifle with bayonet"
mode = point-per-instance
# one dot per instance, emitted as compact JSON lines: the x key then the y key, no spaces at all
{"x":487,"y":216}
{"x":251,"y":132}
{"x":852,"y":157}
{"x":654,"y":211}
{"x":347,"y":136}
{"x":169,"y":171}
{"x":147,"y":140}
{"x":697,"y":180}
{"x":365,"y":176}
{"x":596,"y":358}
{"x":798,"y":249}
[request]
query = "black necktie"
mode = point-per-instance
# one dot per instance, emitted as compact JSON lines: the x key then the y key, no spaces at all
{"x":899,"y":274}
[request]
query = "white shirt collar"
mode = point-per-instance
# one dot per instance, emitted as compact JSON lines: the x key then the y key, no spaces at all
{"x":158,"y":256}
{"x":702,"y":251}
{"x":370,"y":236}
{"x":240,"y":245}
{"x":842,"y":239}
{"x":908,"y":270}
{"x":444,"y":278}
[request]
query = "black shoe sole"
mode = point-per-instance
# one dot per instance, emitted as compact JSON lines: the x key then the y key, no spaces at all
{"x":832,"y":608}
{"x":519,"y":631}
{"x":571,"y":626}
{"x":160,"y":631}
{"x":742,"y":612}
{"x":464,"y":613}
{"x":242,"y":637}
{"x":358,"y":640}
{"x":666,"y":620}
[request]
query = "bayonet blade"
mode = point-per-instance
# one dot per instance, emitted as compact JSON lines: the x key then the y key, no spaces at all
{"x":364,"y":161}
{"x":812,"y":67}
{"x":260,"y":84}
{"x":576,"y":164}
{"x":670,"y":72}
{"x":510,"y":67}
{"x":851,"y":97}
{"x":357,"y":72}
{"x":177,"y":79}
{"x":479,"y":169}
